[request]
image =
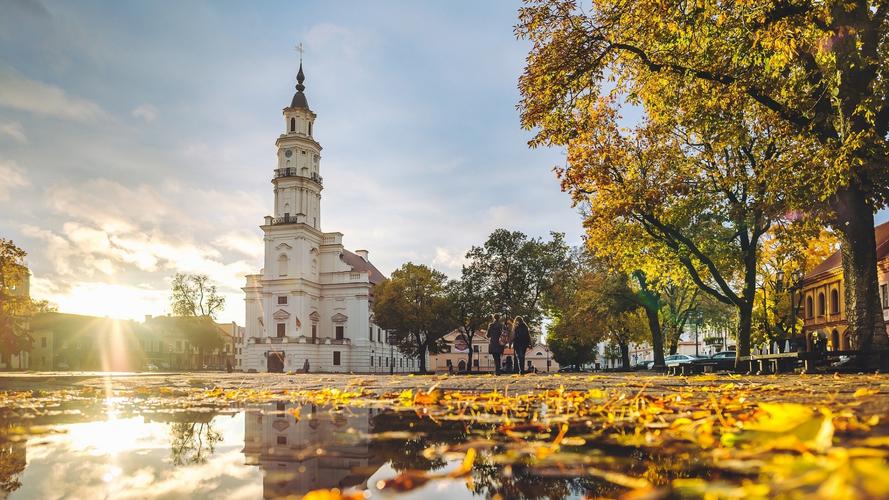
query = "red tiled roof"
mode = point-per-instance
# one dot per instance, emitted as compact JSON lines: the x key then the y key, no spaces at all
{"x":359,"y":264}
{"x":881,"y":233}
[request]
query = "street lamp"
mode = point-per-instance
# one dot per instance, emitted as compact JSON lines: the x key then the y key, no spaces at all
{"x":697,"y":322}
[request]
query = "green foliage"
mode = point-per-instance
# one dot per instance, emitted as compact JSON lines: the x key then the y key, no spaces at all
{"x":415,"y":305}
{"x":514,"y":271}
{"x":589,"y":303}
{"x":195,"y":295}
{"x":201,"y":332}
{"x":472,"y":305}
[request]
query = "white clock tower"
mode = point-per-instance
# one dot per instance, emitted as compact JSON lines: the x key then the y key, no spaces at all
{"x":311,"y":303}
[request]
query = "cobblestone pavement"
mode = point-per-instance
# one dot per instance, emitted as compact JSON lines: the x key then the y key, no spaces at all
{"x":786,"y":388}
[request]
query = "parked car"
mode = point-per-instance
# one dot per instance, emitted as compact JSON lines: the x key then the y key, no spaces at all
{"x":570,"y":369}
{"x":725,"y":360}
{"x":678,"y":359}
{"x":645,"y":365}
{"x":151,"y":367}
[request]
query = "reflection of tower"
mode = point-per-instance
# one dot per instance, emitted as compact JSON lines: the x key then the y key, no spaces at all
{"x":320,"y":450}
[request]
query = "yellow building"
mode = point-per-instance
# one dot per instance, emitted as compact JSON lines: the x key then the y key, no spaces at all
{"x":823,"y":306}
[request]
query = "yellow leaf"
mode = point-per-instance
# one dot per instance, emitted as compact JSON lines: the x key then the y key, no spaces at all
{"x":406,"y":398}
{"x":864,"y":392}
{"x":333,"y":494}
{"x":427,"y":398}
{"x":466,"y":465}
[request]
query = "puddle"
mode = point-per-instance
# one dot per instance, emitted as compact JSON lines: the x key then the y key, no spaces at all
{"x":270,"y":450}
{"x":201,"y":445}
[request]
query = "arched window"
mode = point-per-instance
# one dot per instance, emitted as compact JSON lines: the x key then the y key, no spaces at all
{"x":283,"y":262}
{"x":834,"y":301}
{"x":293,"y":124}
{"x":810,"y":310}
{"x":821,"y":305}
{"x":310,"y":128}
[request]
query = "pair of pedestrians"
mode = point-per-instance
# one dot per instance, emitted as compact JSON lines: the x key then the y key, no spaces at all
{"x":502,"y":333}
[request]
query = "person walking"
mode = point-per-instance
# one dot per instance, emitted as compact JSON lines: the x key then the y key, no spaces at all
{"x":522,"y":342}
{"x":494,"y":345}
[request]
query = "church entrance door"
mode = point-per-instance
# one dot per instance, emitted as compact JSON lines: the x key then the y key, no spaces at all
{"x":275,"y":362}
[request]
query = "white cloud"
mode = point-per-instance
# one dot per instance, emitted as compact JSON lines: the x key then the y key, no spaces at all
{"x":11,"y":177}
{"x":243,"y":242}
{"x":15,"y":131}
{"x":19,"y":92}
{"x":146,"y":112}
{"x":452,"y":259}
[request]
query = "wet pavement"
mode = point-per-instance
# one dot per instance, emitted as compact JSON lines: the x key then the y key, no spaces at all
{"x":169,"y":436}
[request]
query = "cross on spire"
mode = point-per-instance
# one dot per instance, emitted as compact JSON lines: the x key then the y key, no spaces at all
{"x":299,"y":48}
{"x":300,"y":77}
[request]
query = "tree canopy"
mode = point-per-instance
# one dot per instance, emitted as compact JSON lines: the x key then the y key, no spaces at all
{"x":812,"y":74}
{"x":414,"y":304}
{"x":515,"y":271}
{"x":195,"y":295}
{"x":16,"y":304}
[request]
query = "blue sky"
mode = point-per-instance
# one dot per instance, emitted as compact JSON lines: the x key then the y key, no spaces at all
{"x":137,"y":139}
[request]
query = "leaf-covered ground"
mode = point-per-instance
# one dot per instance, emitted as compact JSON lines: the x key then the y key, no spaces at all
{"x":626,"y":435}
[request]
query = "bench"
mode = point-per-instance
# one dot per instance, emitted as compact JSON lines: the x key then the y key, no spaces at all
{"x":692,"y":368}
{"x":812,"y":359}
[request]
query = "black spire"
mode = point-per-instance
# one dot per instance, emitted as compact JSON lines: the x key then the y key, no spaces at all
{"x":299,"y":99}
{"x":300,"y":78}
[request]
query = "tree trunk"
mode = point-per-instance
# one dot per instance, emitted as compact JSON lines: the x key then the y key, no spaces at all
{"x":657,"y":339}
{"x":745,"y":321}
{"x":674,"y":344}
{"x":469,"y":358}
{"x":421,"y":358}
{"x":625,"y":355}
{"x":855,"y":225}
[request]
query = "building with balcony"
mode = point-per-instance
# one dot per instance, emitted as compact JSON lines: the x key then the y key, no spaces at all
{"x":311,"y":302}
{"x":823,"y":306}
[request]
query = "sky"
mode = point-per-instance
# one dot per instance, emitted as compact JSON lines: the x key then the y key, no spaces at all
{"x":137,"y":139}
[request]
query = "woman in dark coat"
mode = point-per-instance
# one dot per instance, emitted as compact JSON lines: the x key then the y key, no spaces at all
{"x":494,"y":345}
{"x":522,"y":342}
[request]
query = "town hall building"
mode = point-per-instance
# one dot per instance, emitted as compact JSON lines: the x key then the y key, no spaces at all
{"x":310,"y":306}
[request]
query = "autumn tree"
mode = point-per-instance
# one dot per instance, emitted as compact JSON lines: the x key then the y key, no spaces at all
{"x":194,"y":295}
{"x":196,"y":301}
{"x":786,"y":258}
{"x":818,"y":70}
{"x":16,"y":304}
{"x":516,"y":271}
{"x":701,"y":197}
{"x":415,"y":305}
{"x":575,"y":329}
{"x":472,"y":305}
{"x":590,"y":303}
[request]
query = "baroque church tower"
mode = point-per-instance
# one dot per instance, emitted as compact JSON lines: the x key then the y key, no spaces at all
{"x":310,"y":305}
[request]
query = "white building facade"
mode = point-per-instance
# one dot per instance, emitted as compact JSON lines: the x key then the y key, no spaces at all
{"x":311,"y":303}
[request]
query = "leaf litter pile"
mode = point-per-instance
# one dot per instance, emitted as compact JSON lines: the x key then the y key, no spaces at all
{"x":720,"y":437}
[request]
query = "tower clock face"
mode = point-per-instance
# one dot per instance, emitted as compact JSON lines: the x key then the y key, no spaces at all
{"x":288,"y":153}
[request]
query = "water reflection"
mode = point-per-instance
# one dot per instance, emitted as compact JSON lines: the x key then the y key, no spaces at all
{"x":285,"y":450}
{"x":302,"y":448}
